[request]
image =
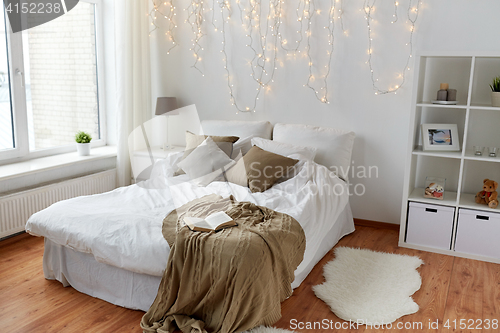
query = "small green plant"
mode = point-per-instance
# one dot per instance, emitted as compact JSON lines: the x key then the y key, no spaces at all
{"x":82,"y":137}
{"x":495,"y":86}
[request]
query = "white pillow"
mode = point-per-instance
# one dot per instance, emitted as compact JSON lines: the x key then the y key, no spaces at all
{"x":239,"y":128}
{"x":334,"y":145}
{"x":284,"y":149}
{"x":243,"y":145}
{"x":167,"y":166}
{"x":205,"y":163}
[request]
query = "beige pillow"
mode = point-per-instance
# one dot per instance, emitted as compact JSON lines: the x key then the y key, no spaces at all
{"x":261,"y":169}
{"x":237,"y":174}
{"x":225,"y":143}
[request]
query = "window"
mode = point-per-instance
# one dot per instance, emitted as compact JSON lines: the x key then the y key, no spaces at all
{"x":49,"y":84}
{"x":6,"y":120}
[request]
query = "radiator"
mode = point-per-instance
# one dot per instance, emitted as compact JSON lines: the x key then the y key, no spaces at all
{"x":16,"y":208}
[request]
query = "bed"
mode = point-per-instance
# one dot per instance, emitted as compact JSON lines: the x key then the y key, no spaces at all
{"x":110,"y":245}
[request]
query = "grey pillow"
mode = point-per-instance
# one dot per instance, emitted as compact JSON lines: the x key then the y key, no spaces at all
{"x":225,"y":143}
{"x":205,"y":163}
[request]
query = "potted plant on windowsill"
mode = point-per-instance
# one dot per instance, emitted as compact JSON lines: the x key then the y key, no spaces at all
{"x":495,"y":92}
{"x":83,"y":143}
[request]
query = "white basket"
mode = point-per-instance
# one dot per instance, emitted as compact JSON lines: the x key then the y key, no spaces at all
{"x":478,"y":232}
{"x":430,"y":225}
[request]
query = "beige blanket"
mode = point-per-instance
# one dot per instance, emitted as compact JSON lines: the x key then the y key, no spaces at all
{"x":226,"y":281}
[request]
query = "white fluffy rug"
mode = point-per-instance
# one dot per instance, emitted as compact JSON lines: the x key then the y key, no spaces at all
{"x":368,"y":286}
{"x":263,"y":329}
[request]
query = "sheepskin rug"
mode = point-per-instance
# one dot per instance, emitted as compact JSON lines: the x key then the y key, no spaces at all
{"x":368,"y":286}
{"x":263,"y":329}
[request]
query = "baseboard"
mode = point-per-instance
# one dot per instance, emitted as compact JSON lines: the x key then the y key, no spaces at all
{"x":13,"y":238}
{"x":376,"y":224}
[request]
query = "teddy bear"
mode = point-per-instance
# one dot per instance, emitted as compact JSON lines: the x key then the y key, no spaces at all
{"x":488,"y":195}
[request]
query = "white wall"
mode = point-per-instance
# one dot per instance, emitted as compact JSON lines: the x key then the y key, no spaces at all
{"x":380,"y":121}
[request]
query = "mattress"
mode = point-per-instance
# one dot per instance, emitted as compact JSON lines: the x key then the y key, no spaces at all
{"x":138,"y":291}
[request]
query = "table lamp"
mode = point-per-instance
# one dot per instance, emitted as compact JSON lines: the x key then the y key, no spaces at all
{"x":166,"y":106}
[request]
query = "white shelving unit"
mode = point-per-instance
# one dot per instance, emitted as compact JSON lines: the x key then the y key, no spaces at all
{"x":477,"y":123}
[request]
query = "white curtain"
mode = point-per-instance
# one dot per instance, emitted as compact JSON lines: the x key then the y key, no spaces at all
{"x":133,"y":76}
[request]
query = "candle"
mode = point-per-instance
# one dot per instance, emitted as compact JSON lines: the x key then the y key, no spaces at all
{"x":442,"y":95}
{"x":452,"y":95}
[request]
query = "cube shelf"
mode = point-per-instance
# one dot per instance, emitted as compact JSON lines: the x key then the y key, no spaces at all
{"x":477,"y":122}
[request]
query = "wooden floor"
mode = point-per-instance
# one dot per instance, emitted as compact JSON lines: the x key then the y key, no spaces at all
{"x":453,"y":289}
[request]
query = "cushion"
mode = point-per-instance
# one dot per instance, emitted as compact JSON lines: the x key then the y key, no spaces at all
{"x":295,"y":170}
{"x":285,"y":149}
{"x":243,"y":145}
{"x":237,"y":174}
{"x":194,"y":140}
{"x":205,"y":162}
{"x":224,"y":142}
{"x":262,"y":169}
{"x":334,"y":146}
{"x":239,"y":128}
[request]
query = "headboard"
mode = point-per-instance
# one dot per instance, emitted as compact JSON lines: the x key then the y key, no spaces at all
{"x":239,"y":128}
{"x":334,"y":146}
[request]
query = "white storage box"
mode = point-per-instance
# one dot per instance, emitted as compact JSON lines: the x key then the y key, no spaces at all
{"x":430,"y":225}
{"x":478,"y":233}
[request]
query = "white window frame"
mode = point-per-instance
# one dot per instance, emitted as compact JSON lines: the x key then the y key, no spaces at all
{"x":21,"y":151}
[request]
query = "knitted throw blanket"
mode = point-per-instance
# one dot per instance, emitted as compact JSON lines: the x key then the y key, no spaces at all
{"x":226,"y":281}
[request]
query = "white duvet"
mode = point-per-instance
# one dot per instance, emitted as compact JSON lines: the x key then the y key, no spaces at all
{"x":122,"y":228}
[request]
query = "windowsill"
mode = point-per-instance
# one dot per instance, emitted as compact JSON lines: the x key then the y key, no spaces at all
{"x":42,"y":164}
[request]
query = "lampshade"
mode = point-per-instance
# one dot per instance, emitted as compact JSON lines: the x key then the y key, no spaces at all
{"x":166,"y":105}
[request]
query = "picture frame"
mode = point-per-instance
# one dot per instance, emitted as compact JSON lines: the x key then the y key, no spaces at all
{"x":440,"y":137}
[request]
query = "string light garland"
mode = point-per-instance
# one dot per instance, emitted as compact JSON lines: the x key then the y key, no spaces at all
{"x":263,"y":68}
{"x":305,"y":12}
{"x":395,"y":15}
{"x":321,"y":96}
{"x":300,"y":19}
{"x":341,"y":16}
{"x":213,"y":15}
{"x":168,"y":13}
{"x":412,"y":11}
{"x":263,"y":23}
{"x":152,"y":15}
{"x":196,"y":12}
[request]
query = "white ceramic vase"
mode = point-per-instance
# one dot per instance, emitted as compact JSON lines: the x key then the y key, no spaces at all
{"x":83,"y":149}
{"x":495,"y":98}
